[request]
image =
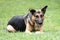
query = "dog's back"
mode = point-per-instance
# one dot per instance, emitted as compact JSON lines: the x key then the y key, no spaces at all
{"x":17,"y":22}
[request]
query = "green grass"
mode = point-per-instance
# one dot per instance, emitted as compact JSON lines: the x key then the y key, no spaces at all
{"x":51,"y":27}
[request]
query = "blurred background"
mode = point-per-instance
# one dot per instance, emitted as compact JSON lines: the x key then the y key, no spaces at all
{"x":51,"y":27}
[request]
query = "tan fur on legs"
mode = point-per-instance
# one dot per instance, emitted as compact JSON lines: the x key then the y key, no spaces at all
{"x":10,"y":28}
{"x":40,"y":31}
{"x":28,"y":28}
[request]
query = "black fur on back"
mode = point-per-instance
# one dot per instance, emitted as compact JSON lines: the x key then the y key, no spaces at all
{"x":18,"y":23}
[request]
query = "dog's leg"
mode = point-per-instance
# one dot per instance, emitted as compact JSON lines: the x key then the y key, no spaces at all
{"x":28,"y":28}
{"x":10,"y":28}
{"x":40,"y":31}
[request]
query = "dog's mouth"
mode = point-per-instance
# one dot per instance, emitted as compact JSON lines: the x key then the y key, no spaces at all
{"x":40,"y":23}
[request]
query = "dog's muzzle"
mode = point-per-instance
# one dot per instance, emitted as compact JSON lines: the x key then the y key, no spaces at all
{"x":40,"y":22}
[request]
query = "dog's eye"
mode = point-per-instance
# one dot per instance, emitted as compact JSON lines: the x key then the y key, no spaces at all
{"x":37,"y":16}
{"x":41,"y":15}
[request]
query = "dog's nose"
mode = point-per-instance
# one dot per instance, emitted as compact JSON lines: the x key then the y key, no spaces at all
{"x":40,"y":23}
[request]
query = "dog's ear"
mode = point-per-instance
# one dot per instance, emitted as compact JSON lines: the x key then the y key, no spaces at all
{"x":32,"y":11}
{"x":44,"y":9}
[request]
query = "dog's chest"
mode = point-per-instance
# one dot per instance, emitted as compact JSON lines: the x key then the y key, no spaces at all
{"x":36,"y":27}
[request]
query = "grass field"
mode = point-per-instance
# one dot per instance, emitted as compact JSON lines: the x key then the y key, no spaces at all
{"x":51,"y":27}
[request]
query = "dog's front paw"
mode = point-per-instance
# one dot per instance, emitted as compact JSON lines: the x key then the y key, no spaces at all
{"x":28,"y":32}
{"x":38,"y":32}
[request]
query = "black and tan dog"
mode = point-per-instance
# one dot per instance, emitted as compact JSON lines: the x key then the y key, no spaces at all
{"x":33,"y":21}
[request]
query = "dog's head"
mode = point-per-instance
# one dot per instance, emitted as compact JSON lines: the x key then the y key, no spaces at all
{"x":38,"y":15}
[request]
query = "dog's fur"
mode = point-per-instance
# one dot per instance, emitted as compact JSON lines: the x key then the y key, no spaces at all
{"x":32,"y":21}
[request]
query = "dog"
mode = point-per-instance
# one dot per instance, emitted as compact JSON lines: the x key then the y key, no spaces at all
{"x":28,"y":23}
